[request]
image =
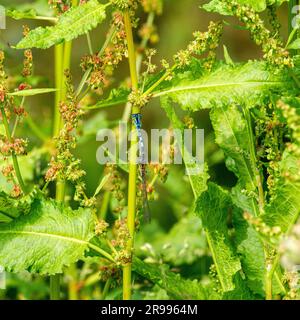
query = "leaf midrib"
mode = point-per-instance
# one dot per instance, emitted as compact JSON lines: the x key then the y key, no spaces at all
{"x":43,"y":234}
{"x":208,"y":86}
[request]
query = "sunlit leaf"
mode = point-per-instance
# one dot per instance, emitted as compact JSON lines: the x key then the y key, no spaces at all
{"x":75,"y":22}
{"x":47,"y":239}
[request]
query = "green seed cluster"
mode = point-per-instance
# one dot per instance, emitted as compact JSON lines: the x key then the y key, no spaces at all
{"x":103,"y":65}
{"x":112,"y":273}
{"x":3,"y":78}
{"x":65,"y":166}
{"x":115,"y":186}
{"x":274,"y":53}
{"x":122,"y":256}
{"x":152,"y":6}
{"x":16,"y":146}
{"x":204,"y":41}
{"x":125,"y":4}
{"x":27,"y":63}
{"x":101,"y":227}
{"x":274,"y":22}
{"x":261,"y":227}
{"x":293,"y":121}
{"x":138,"y":99}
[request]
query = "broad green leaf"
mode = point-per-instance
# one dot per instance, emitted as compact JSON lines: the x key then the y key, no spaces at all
{"x":249,"y":245}
{"x":116,"y":97}
{"x":232,"y":136}
{"x":179,"y":288}
{"x":194,"y":89}
{"x":31,"y":92}
{"x":284,"y":206}
{"x":197,"y":172}
{"x":175,"y":286}
{"x":156,"y":293}
{"x":75,"y":22}
{"x":47,"y":239}
{"x":240,"y":292}
{"x":213,"y":208}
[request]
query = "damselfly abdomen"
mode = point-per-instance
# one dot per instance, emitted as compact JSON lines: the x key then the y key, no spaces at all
{"x":137,"y":120}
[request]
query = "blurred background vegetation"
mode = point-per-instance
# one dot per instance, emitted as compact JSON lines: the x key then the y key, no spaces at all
{"x":175,"y":27}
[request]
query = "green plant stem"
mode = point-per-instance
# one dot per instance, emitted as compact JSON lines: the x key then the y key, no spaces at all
{"x":127,"y":270}
{"x":13,"y":155}
{"x":89,"y":41}
{"x":159,"y":81}
{"x":62,"y":62}
{"x":55,"y":287}
{"x":106,"y":288}
{"x":59,"y":49}
{"x":102,"y":252}
{"x":104,"y":205}
{"x":17,"y":119}
{"x":139,"y":58}
{"x":35,"y":129}
{"x":258,"y":178}
{"x":271,"y":268}
{"x":72,"y":285}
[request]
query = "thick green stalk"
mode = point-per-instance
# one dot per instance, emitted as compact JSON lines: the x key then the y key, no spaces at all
{"x":106,"y":288}
{"x":55,"y":287}
{"x":139,"y":60}
{"x":104,"y":205}
{"x":60,"y":185}
{"x":72,"y":285}
{"x":13,"y":155}
{"x":132,"y":162}
{"x":59,"y":52}
{"x":62,"y":62}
